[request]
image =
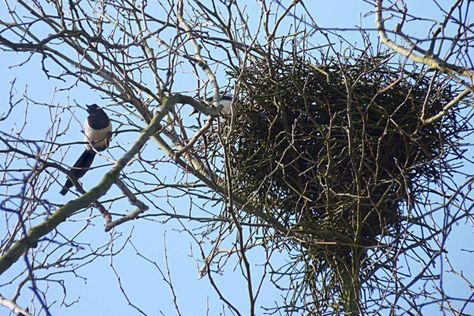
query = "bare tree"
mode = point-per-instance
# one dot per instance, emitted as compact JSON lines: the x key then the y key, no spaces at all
{"x":352,"y":159}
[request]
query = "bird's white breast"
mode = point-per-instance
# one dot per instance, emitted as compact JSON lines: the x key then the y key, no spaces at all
{"x":100,"y":138}
{"x":226,"y":107}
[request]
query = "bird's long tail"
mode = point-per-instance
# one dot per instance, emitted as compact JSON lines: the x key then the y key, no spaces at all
{"x":79,"y":169}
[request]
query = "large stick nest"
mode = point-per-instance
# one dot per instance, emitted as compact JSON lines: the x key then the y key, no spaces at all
{"x":335,"y":149}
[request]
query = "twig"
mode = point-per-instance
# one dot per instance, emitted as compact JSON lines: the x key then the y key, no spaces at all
{"x":452,"y":103}
{"x":141,"y":207}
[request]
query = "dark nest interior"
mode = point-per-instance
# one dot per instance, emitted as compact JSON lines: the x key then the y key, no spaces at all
{"x":336,"y":149}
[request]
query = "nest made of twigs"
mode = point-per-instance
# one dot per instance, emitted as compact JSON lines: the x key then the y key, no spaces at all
{"x":335,"y":149}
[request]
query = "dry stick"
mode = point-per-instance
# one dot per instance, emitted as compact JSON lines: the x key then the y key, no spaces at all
{"x":195,"y":138}
{"x":452,"y":103}
{"x":67,"y":210}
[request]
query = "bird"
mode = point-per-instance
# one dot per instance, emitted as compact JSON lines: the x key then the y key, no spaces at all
{"x":225,"y":102}
{"x":97,"y":135}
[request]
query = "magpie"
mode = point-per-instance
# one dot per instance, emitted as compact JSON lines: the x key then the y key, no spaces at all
{"x":97,"y":135}
{"x":225,"y":101}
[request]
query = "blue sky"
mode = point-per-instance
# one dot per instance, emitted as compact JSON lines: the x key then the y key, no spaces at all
{"x":96,"y":286}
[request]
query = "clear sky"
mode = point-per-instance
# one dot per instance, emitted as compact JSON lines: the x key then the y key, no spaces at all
{"x":141,"y":278}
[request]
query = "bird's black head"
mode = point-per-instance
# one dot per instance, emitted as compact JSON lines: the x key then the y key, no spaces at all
{"x":226,"y":97}
{"x":92,"y":108}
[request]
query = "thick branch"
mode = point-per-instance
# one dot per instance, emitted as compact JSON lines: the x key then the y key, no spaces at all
{"x":13,"y":306}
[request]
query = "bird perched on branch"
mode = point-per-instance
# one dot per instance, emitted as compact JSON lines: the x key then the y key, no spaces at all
{"x":225,"y":102}
{"x":97,"y":135}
